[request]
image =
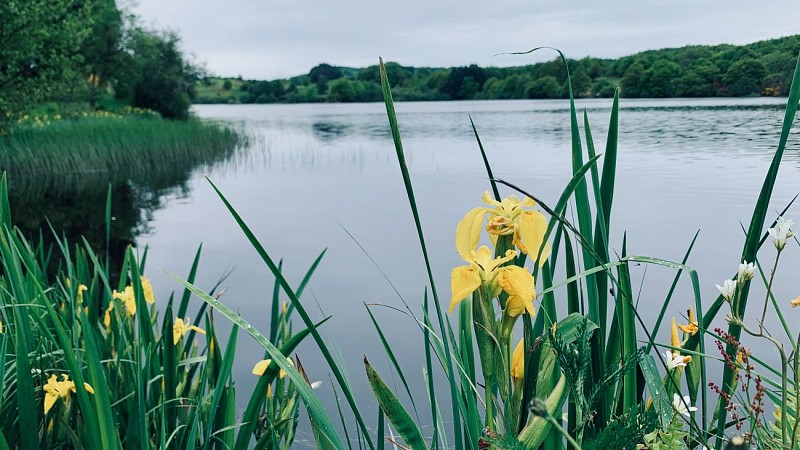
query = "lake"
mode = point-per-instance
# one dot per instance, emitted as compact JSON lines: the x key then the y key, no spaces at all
{"x":325,"y":176}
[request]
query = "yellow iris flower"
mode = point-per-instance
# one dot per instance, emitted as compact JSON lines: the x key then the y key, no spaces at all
{"x":181,"y":327}
{"x":262,"y":366}
{"x":149,"y":296}
{"x":483,"y":268}
{"x":129,"y":299}
{"x":518,"y":362}
{"x":55,"y":389}
{"x":505,"y":218}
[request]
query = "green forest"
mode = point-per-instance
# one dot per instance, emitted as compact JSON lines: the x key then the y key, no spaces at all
{"x":762,"y":68}
{"x":66,"y":57}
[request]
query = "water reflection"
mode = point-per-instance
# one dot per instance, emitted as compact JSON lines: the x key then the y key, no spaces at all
{"x":328,"y":131}
{"x":74,"y":205}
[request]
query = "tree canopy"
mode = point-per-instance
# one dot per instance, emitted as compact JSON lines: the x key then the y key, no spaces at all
{"x":84,"y":52}
{"x":762,"y":68}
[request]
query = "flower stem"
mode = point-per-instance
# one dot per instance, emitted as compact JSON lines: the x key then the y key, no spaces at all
{"x":769,"y":289}
{"x":563,"y":432}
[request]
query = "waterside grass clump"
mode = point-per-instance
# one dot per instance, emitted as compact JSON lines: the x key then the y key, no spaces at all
{"x":87,"y":362}
{"x":95,"y":148}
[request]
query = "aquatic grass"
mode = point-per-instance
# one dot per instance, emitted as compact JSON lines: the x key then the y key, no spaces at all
{"x":145,"y":387}
{"x":93,"y":151}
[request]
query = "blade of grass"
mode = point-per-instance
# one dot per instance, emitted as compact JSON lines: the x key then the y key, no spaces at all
{"x":26,"y":403}
{"x":315,"y":408}
{"x":485,"y":161}
{"x":398,"y":145}
{"x":394,"y":410}
{"x":390,"y":354}
{"x":184,"y":305}
{"x":222,"y":383}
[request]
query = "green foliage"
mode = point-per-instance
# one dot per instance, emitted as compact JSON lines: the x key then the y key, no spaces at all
{"x":762,"y":68}
{"x":545,"y":87}
{"x":162,"y":80}
{"x":624,"y":432}
{"x":745,"y":77}
{"x":40,"y":58}
{"x":87,"y":52}
{"x":122,"y":378}
{"x":463,"y":83}
{"x":102,"y":51}
{"x":660,"y":79}
{"x":673,"y":438}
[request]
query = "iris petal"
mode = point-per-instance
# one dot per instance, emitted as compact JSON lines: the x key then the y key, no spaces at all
{"x":518,"y":361}
{"x":519,"y":285}
{"x":49,"y":401}
{"x":675,"y":340}
{"x":468,"y":231}
{"x":463,"y":282}
{"x":531,"y":227}
{"x":261,"y":367}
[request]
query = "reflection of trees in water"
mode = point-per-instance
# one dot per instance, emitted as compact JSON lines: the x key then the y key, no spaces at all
{"x":80,"y":216}
{"x":75,"y":207}
{"x":328,"y":131}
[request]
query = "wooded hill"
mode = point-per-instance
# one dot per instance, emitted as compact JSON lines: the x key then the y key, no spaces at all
{"x":761,"y":68}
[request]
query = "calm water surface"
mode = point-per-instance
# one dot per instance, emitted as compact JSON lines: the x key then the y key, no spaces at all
{"x":317,"y":172}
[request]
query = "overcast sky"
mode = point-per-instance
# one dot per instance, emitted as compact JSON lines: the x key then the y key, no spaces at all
{"x":267,"y":39}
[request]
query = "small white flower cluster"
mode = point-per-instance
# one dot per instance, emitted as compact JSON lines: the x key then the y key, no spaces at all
{"x":681,"y":405}
{"x":728,"y":289}
{"x":745,"y":273}
{"x":674,"y":361}
{"x":781,"y":232}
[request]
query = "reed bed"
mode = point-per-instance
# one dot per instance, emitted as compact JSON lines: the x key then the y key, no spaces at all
{"x":109,"y":147}
{"x":517,"y":357}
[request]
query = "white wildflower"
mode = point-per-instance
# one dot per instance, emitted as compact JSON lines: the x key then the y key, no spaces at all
{"x":781,"y":232}
{"x":728,"y":289}
{"x":746,"y":272}
{"x":680,"y":405}
{"x":674,"y":361}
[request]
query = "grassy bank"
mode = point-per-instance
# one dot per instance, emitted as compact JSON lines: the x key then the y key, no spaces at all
{"x":87,"y":148}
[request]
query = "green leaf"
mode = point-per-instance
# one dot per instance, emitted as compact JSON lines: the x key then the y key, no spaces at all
{"x":5,"y":208}
{"x":655,"y":385}
{"x":485,"y":161}
{"x":394,"y":410}
{"x":259,"y":394}
{"x":537,"y":427}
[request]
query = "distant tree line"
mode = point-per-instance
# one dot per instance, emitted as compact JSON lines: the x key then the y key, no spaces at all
{"x":89,"y":52}
{"x":762,"y":68}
